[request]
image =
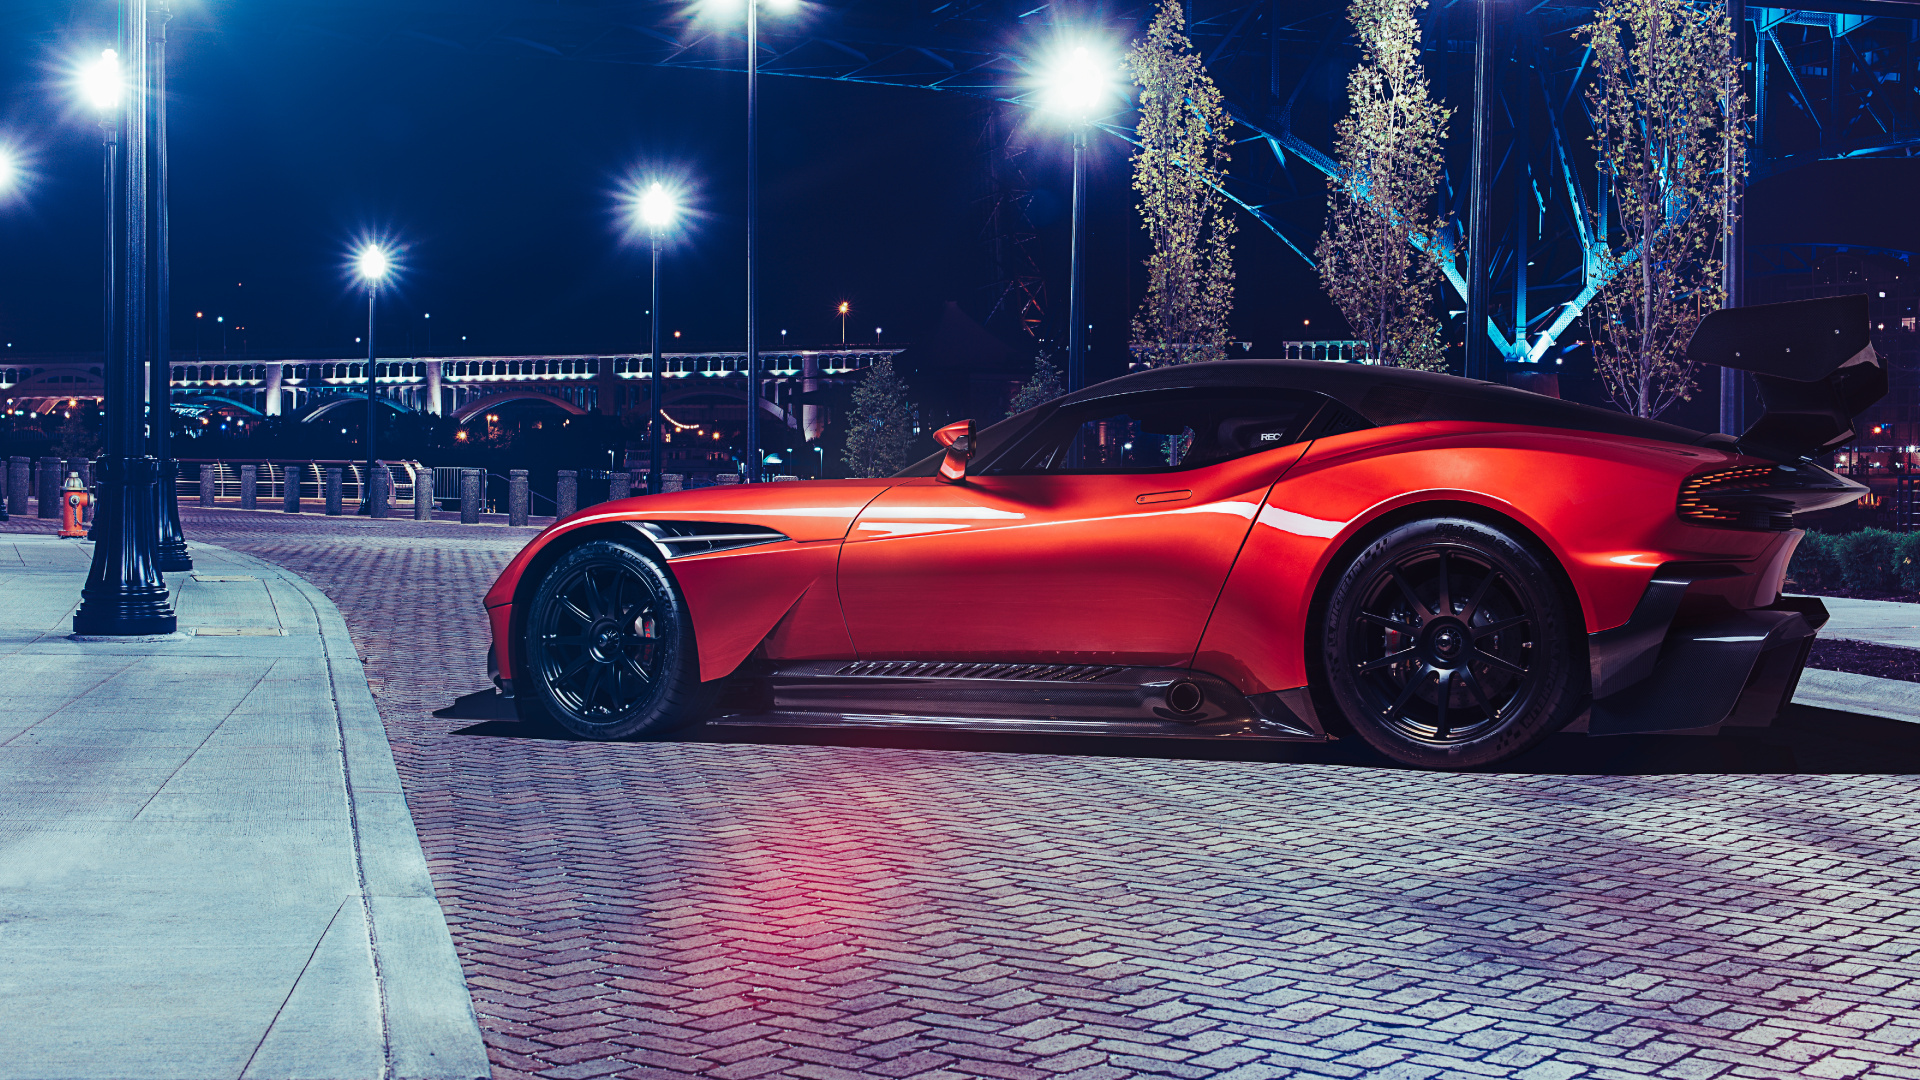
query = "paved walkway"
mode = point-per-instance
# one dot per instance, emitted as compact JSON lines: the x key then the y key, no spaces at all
{"x":1884,"y":622}
{"x":207,"y":868}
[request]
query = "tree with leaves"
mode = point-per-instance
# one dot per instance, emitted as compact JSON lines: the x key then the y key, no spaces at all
{"x":1379,"y":256}
{"x":1670,"y":132}
{"x":1178,"y":171}
{"x":880,"y":424}
{"x":1045,"y":385}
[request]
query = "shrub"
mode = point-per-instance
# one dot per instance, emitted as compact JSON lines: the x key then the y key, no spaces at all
{"x":1907,"y":565}
{"x":1816,"y":563}
{"x":1870,"y":560}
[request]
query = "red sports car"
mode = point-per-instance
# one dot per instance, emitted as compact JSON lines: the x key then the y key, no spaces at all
{"x":1451,"y":570}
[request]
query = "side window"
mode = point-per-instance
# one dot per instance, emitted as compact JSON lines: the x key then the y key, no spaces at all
{"x":1160,"y":431}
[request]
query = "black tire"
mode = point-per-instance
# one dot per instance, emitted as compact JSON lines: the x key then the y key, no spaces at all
{"x":609,"y":647}
{"x":1453,"y":604}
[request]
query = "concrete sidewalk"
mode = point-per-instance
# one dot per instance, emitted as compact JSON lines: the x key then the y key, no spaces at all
{"x":1883,"y":622}
{"x":207,"y":868}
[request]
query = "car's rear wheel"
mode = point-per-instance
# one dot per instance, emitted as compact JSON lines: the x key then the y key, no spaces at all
{"x":1447,"y":643}
{"x":609,"y":647}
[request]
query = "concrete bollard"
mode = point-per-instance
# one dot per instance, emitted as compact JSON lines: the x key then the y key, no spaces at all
{"x":423,"y":495}
{"x":19,"y":477}
{"x":619,"y":486}
{"x":516,"y":496}
{"x":336,"y":479}
{"x":380,"y":486}
{"x":673,"y":481}
{"x":290,"y":488}
{"x":566,"y":492}
{"x":249,"y":487}
{"x":473,"y":488}
{"x":50,"y":487}
{"x":207,"y":489}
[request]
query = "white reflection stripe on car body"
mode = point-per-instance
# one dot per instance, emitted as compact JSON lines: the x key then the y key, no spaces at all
{"x":907,"y":528}
{"x":1300,"y":524}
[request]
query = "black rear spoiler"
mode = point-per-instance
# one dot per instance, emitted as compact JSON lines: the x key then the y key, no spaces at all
{"x":1813,"y":362}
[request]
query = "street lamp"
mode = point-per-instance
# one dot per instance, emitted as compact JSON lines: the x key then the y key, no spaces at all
{"x":843,"y":322}
{"x":372,"y":264}
{"x":1078,"y":82}
{"x":655,"y":210}
{"x":172,"y":551}
{"x":10,"y":172}
{"x":125,"y":594}
{"x":753,"y":217}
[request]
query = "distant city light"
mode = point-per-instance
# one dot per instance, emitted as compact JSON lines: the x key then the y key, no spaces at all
{"x":1078,"y":82}
{"x":101,"y":82}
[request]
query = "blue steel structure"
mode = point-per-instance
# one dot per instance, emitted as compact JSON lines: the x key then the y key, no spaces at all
{"x":1838,"y":80}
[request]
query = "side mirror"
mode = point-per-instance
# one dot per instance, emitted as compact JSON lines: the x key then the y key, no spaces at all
{"x":957,"y":437}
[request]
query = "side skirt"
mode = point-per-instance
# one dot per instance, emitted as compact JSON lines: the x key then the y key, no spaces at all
{"x":1031,"y":698}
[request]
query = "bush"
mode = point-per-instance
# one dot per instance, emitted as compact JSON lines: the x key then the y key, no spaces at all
{"x":1816,"y":563}
{"x":1870,"y":560}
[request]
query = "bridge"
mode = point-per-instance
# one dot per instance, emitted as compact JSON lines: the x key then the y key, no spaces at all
{"x":463,"y":387}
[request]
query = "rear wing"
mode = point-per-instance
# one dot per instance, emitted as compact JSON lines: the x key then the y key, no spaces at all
{"x":1813,"y":362}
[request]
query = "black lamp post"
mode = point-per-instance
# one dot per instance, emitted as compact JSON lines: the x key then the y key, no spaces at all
{"x":372,"y":264}
{"x":172,"y":551}
{"x":1078,"y":82}
{"x":656,"y":211}
{"x":125,"y":593}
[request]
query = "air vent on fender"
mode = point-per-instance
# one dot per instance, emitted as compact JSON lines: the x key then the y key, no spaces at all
{"x":680,"y":539}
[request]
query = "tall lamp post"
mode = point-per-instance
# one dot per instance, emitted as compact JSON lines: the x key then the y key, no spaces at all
{"x":9,"y":183}
{"x":125,"y":594}
{"x":657,"y":209}
{"x":103,"y":87}
{"x":753,"y":224}
{"x":372,"y":264}
{"x":1077,"y":83}
{"x":172,"y":551}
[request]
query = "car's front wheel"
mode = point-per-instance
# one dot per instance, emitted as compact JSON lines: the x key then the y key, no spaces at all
{"x":1446,"y":643}
{"x":609,"y":647}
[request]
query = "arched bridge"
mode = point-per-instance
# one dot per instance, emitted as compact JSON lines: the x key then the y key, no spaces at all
{"x":464,"y":386}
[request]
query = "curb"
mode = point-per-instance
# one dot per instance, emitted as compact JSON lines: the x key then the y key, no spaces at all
{"x":1892,"y":699}
{"x":430,"y":1030}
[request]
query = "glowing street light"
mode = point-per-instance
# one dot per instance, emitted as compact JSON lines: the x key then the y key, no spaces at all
{"x":9,"y":171}
{"x":843,"y":322}
{"x":655,"y":208}
{"x":1077,"y":84}
{"x":373,"y":264}
{"x":102,"y":84}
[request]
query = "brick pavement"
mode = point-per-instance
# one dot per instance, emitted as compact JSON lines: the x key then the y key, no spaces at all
{"x":874,"y":905}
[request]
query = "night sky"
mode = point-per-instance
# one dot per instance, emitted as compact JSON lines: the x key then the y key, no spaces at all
{"x":498,"y":174}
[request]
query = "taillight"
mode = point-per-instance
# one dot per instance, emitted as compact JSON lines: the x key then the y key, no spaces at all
{"x":1762,"y":496}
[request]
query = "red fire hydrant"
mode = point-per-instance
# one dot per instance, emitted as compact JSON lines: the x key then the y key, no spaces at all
{"x":73,"y":507}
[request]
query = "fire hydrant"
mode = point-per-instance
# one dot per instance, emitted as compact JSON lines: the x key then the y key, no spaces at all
{"x":73,"y":507}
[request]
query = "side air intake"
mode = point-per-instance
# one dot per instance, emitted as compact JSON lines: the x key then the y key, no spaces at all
{"x":680,"y":539}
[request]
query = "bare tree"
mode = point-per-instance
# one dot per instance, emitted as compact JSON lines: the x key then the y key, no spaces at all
{"x":1378,"y":255}
{"x":1178,"y":172}
{"x":880,"y":424}
{"x":1670,"y":131}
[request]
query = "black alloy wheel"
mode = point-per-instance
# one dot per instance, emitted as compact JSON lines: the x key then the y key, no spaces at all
{"x":1448,"y":644}
{"x":609,"y":646}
